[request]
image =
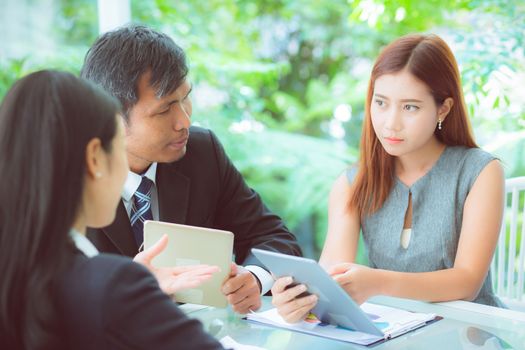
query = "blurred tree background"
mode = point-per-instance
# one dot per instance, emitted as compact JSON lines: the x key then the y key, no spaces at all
{"x":283,"y":82}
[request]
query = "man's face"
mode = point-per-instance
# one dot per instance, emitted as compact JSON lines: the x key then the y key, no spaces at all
{"x":157,"y":129}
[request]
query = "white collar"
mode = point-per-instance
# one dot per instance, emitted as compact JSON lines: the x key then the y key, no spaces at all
{"x":83,"y":243}
{"x":133,"y":181}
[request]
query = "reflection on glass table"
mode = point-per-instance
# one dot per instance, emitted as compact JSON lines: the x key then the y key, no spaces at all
{"x":464,"y":326}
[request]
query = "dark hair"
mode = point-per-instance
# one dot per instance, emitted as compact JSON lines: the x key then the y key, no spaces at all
{"x":119,"y":58}
{"x":429,"y":59}
{"x":46,"y":122}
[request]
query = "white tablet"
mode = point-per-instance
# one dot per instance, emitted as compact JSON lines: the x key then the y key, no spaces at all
{"x":191,"y":245}
{"x":334,"y":305}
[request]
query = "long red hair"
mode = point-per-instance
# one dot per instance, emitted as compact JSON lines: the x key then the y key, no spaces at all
{"x":429,"y":59}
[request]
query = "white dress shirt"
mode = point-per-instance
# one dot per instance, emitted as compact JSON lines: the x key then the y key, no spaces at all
{"x":83,"y":243}
{"x":132,"y":184}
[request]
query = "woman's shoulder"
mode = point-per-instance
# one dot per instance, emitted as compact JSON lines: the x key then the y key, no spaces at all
{"x":351,"y":172}
{"x":470,"y":162}
{"x":116,"y":303}
{"x":91,"y":277}
{"x":110,"y":262}
{"x":87,"y":292}
{"x":469,"y":154}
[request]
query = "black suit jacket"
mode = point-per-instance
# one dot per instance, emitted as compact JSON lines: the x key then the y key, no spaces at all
{"x":110,"y":302}
{"x":205,"y":189}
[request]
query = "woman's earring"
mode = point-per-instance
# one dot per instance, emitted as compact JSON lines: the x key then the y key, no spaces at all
{"x":98,"y":174}
{"x":439,"y":124}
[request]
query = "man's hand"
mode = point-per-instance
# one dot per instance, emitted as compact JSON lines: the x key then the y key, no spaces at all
{"x":242,"y":290}
{"x":174,"y":279}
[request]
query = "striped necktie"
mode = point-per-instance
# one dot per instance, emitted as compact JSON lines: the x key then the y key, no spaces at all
{"x":141,"y":209}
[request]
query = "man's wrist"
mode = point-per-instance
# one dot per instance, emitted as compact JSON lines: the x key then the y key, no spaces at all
{"x":263,"y":277}
{"x":258,"y":282}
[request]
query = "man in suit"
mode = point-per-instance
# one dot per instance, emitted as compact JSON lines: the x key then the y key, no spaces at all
{"x":178,"y":173}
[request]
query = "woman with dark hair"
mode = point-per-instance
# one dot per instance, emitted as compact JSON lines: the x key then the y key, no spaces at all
{"x":427,"y":200}
{"x":63,"y":164}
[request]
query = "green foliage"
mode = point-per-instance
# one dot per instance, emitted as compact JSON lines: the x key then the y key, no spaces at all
{"x":76,"y":22}
{"x":275,"y":72}
{"x":13,"y":69}
{"x":10,"y":71}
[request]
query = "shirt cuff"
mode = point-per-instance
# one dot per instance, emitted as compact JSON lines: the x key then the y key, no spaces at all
{"x":264,"y":277}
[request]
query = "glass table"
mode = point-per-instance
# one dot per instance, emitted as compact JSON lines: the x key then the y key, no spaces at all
{"x":464,"y":326}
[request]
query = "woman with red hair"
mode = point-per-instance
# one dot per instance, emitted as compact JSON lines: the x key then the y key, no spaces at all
{"x":428,"y":201}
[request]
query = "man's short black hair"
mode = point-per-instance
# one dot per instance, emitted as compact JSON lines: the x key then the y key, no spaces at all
{"x":118,"y":59}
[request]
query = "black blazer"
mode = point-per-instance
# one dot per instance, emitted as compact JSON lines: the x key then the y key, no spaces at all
{"x":110,"y":302}
{"x":205,"y":189}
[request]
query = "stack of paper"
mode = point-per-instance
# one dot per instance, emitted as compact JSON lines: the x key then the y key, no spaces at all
{"x":391,"y":321}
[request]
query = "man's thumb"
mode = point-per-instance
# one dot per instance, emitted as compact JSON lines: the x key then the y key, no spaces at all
{"x":233,"y":269}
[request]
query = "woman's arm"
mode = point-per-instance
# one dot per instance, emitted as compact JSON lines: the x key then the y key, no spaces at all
{"x":138,"y":315}
{"x":482,"y":217}
{"x":340,"y":245}
{"x":343,"y":226}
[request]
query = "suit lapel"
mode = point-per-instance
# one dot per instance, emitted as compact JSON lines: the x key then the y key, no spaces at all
{"x":173,"y":190}
{"x":120,"y":233}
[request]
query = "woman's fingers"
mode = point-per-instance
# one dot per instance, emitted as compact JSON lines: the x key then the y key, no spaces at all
{"x":298,"y":309}
{"x":286,"y":298}
{"x":174,"y":279}
{"x":187,"y":281}
{"x":171,"y":272}
{"x":338,"y":269}
{"x":287,"y":295}
{"x":146,"y":256}
{"x":280,"y":284}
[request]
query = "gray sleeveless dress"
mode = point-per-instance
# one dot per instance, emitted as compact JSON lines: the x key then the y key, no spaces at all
{"x":437,"y":213}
